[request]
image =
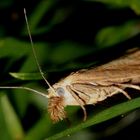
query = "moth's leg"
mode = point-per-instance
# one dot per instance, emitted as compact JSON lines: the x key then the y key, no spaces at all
{"x":79,"y":101}
{"x":83,"y":96}
{"x":130,"y":86}
{"x":122,"y":91}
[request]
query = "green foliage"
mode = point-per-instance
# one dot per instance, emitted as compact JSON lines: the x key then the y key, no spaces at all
{"x":100,"y":117}
{"x":62,"y":45}
{"x":112,"y":35}
{"x":10,"y":118}
{"x":26,"y":76}
{"x":133,"y":4}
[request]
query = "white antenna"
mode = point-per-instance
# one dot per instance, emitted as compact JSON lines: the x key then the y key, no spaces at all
{"x":26,"y":88}
{"x":38,"y":66}
{"x":34,"y":53}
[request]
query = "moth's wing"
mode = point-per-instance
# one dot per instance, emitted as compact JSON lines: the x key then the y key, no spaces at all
{"x":81,"y":91}
{"x":87,"y":93}
{"x":124,"y":69}
{"x":131,"y":58}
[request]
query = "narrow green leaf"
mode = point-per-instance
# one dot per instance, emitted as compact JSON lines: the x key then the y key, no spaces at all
{"x":12,"y":122}
{"x":67,"y":51}
{"x":38,"y":14}
{"x":133,"y":4}
{"x":136,"y":6}
{"x":26,"y":76}
{"x":112,"y":35}
{"x":101,"y":117}
{"x":39,"y":130}
{"x":60,"y":15}
{"x":119,"y":3}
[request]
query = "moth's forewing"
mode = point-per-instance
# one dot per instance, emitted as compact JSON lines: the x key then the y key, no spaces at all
{"x":96,"y":84}
{"x":124,"y":69}
{"x":92,"y":94}
{"x":87,"y":84}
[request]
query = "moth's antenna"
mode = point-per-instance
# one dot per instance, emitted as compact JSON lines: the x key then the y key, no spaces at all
{"x":34,"y":52}
{"x":25,"y":88}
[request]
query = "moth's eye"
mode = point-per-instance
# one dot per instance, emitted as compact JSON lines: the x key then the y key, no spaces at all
{"x":60,"y":91}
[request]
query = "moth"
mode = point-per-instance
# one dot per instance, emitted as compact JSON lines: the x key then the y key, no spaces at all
{"x":89,"y":86}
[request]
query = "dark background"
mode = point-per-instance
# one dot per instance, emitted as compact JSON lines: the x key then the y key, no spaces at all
{"x":67,"y":36}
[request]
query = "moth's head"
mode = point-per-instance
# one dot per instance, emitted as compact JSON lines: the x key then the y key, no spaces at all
{"x":56,"y":91}
{"x":59,"y":89}
{"x":59,"y":97}
{"x":56,"y":103}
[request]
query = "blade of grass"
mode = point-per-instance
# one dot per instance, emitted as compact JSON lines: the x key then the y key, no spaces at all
{"x":39,"y":130}
{"x":101,"y":117}
{"x":112,"y":35}
{"x":133,"y":4}
{"x":119,"y":3}
{"x":59,"y":16}
{"x":38,"y":13}
{"x":26,"y":76}
{"x":12,"y":122}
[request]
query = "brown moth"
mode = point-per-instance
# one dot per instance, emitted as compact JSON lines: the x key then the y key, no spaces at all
{"x":89,"y":86}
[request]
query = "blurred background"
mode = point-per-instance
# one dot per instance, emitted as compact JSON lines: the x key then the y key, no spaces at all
{"x":68,"y":36}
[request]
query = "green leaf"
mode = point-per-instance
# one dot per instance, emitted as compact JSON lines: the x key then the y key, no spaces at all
{"x":16,"y":49}
{"x":39,"y":130}
{"x":136,"y":6}
{"x":112,"y":35}
{"x":101,"y":117}
{"x":119,"y":3}
{"x":26,"y":76}
{"x":59,"y":16}
{"x":11,"y":120}
{"x":67,"y":51}
{"x":133,"y":4}
{"x":38,"y":14}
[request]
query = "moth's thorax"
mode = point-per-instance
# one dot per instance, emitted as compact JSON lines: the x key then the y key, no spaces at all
{"x":60,"y":89}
